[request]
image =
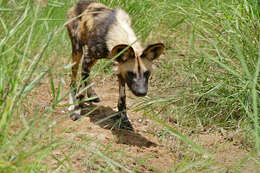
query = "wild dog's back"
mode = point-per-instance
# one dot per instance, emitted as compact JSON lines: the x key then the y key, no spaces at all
{"x":84,"y":13}
{"x":73,"y":14}
{"x":101,"y":28}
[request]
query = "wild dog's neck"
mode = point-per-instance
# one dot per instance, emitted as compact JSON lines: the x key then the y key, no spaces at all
{"x":121,"y":32}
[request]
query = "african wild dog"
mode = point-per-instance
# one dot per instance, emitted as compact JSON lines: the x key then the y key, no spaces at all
{"x":96,"y":32}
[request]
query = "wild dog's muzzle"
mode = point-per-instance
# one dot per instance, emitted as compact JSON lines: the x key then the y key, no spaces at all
{"x":139,"y":87}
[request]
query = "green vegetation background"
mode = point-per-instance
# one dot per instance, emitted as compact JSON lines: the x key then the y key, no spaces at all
{"x":208,"y":77}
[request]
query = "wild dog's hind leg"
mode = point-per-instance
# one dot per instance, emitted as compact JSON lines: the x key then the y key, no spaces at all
{"x":87,"y":64}
{"x":124,"y":123}
{"x":76,"y":57}
{"x":74,"y":105}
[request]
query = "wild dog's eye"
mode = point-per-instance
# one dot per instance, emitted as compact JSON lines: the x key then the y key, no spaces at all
{"x":147,"y":74}
{"x":131,"y":74}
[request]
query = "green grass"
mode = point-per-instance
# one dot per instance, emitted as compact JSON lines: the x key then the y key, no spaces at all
{"x":208,"y":77}
{"x":218,"y":75}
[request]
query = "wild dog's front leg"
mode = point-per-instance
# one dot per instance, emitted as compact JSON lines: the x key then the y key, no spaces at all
{"x":124,"y":123}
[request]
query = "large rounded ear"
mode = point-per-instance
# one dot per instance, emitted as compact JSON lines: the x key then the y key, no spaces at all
{"x":153,"y":51}
{"x":122,"y":52}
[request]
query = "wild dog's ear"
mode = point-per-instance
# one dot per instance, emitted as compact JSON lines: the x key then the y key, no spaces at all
{"x":153,"y":51}
{"x":123,"y":52}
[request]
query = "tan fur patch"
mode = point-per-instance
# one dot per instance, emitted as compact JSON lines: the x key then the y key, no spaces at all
{"x":129,"y":65}
{"x":88,"y":14}
{"x":147,"y":64}
{"x":88,"y":19}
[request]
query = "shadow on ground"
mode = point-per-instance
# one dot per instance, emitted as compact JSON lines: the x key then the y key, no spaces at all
{"x":102,"y":116}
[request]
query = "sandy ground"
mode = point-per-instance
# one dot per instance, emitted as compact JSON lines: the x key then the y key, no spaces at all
{"x":140,"y":150}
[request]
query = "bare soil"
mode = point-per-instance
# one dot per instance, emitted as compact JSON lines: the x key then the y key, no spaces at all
{"x":141,"y":150}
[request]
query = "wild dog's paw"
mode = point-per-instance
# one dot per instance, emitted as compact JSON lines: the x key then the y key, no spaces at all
{"x":75,"y":116}
{"x":93,"y":97}
{"x":126,"y":125}
{"x":123,"y":122}
{"x":96,"y":100}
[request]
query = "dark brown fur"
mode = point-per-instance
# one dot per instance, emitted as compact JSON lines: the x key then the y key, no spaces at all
{"x":81,"y":6}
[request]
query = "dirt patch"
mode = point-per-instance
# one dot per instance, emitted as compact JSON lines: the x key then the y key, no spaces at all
{"x":139,"y":150}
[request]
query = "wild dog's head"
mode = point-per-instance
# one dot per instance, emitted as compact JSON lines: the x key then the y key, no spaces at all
{"x":134,"y":69}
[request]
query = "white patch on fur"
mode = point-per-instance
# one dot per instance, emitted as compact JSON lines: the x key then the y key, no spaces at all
{"x":71,"y":108}
{"x":121,"y":32}
{"x":77,"y":112}
{"x":71,"y":102}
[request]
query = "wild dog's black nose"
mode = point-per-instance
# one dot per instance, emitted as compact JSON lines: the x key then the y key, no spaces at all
{"x":139,"y":87}
{"x":141,"y":92}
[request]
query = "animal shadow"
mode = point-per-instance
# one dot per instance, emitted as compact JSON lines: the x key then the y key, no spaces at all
{"x":103,"y":116}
